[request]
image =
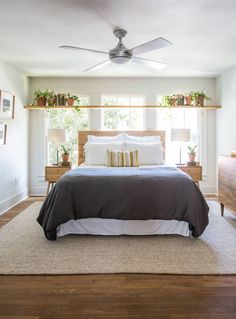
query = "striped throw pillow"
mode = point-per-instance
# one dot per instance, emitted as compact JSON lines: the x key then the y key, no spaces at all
{"x":122,"y":158}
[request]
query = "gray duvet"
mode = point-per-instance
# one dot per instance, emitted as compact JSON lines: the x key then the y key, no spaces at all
{"x":124,"y":193}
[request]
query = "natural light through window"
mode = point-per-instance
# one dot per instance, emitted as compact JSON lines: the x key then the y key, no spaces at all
{"x":71,"y":120}
{"x":122,"y":119}
{"x":179,"y":118}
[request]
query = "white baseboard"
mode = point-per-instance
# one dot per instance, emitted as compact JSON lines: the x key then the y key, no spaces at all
{"x":37,"y":191}
{"x":13,"y":200}
{"x":208,"y":189}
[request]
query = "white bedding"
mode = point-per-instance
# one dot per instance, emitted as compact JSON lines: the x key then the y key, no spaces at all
{"x":100,"y":226}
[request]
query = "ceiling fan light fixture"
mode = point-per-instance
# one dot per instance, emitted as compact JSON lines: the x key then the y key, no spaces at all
{"x":121,"y":59}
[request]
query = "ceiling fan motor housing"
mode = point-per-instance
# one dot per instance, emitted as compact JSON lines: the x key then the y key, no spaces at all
{"x":120,"y":54}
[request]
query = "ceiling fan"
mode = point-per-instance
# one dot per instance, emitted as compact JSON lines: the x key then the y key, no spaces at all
{"x":121,"y":55}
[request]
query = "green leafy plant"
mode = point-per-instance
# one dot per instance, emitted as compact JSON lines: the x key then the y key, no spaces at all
{"x":168,"y":100}
{"x":65,"y":149}
{"x":43,"y":94}
{"x":50,"y":94}
{"x":192,"y":149}
{"x":194,"y":95}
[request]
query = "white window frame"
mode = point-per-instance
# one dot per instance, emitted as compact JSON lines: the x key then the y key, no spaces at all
{"x":202,"y":127}
{"x":116,"y":96}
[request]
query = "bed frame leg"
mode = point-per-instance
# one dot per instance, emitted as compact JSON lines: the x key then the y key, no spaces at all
{"x":222,"y":209}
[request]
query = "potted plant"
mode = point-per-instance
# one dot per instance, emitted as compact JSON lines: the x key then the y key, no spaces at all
{"x":40,"y":98}
{"x":199,"y":97}
{"x":70,"y":99}
{"x":51,"y":98}
{"x":66,"y":153}
{"x":188,"y":99}
{"x":192,"y":152}
{"x":169,"y":100}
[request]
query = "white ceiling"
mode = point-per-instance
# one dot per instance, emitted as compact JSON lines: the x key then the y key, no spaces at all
{"x":203,"y":33}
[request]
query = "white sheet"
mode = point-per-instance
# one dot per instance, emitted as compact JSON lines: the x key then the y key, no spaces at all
{"x":100,"y":226}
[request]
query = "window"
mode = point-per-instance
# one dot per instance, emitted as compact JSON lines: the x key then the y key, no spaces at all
{"x":122,"y":119}
{"x":180,"y":118}
{"x":72,"y":121}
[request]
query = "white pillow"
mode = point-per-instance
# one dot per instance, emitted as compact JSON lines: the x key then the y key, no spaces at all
{"x":141,"y":139}
{"x":149,"y":153}
{"x":96,"y":153}
{"x":106,"y":139}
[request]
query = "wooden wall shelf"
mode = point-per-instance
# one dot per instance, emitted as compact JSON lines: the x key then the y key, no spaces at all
{"x":31,"y":107}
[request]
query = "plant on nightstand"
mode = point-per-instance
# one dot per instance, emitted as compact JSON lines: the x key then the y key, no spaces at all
{"x":192,"y":152}
{"x":66,"y":153}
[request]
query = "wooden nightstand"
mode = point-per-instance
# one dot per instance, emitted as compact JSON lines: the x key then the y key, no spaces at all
{"x":193,"y":171}
{"x":53,"y":173}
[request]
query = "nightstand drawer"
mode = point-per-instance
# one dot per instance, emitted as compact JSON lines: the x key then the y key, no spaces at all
{"x":191,"y":170}
{"x":196,"y":177}
{"x":56,"y":170}
{"x":195,"y":172}
{"x":53,"y":177}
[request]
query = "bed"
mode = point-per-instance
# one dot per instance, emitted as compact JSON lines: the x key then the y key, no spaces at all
{"x":152,"y":199}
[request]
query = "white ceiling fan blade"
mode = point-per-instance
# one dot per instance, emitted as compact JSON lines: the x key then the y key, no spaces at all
{"x":69,"y":47}
{"x":151,"y":64}
{"x":151,"y":45}
{"x":98,"y":66}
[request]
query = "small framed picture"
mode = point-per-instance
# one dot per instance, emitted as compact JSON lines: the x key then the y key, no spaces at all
{"x":7,"y":105}
{"x":3,"y":134}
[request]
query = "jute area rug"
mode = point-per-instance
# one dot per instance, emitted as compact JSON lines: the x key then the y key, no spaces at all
{"x":25,"y":250}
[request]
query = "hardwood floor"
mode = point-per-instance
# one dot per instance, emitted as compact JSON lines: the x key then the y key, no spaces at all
{"x":115,"y":296}
{"x":11,"y":213}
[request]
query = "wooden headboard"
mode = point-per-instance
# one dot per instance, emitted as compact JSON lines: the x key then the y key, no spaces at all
{"x":83,"y":138}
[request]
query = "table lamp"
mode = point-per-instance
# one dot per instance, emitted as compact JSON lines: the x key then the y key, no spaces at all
{"x":55,"y":136}
{"x":180,"y":135}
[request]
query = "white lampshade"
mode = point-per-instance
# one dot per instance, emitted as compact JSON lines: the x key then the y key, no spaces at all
{"x":180,"y":135}
{"x":56,"y":135}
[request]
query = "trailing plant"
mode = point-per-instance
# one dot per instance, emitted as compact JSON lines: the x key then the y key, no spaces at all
{"x":77,"y":109}
{"x":74,"y":97}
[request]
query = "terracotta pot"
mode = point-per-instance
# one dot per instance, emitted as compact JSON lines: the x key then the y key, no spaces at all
{"x":188,"y":100}
{"x":70,"y":101}
{"x":65,"y":157}
{"x":41,"y":101}
{"x":192,"y":157}
{"x":51,"y":101}
{"x":200,"y":100}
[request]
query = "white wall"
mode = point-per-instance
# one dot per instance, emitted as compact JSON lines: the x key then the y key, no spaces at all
{"x":226,"y":117}
{"x":95,"y":87}
{"x":14,"y":155}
